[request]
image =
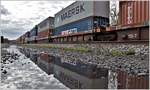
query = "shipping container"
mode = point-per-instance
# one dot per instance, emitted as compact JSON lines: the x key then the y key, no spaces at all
{"x":84,"y":25}
{"x":26,"y":52}
{"x":45,"y":30}
{"x":81,"y":9}
{"x":133,"y":12}
{"x":46,"y":24}
{"x":43,"y":35}
{"x":126,"y":81}
{"x":33,"y":31}
{"x":33,"y":34}
{"x":88,"y":70}
{"x":25,"y":37}
{"x":45,"y":62}
{"x":34,"y":56}
{"x":79,"y":26}
{"x":73,"y":80}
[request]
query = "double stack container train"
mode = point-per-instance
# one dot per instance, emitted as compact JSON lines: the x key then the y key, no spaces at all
{"x":40,"y":33}
{"x":45,"y":29}
{"x":24,"y":38}
{"x":33,"y":35}
{"x":89,"y":21}
{"x":78,"y":21}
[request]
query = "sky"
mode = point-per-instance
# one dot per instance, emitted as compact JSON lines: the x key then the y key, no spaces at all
{"x":18,"y":17}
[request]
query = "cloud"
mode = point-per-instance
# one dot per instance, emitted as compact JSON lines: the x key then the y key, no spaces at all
{"x":5,"y":21}
{"x":55,"y":7}
{"x":19,"y":17}
{"x":4,"y":11}
{"x":13,"y":29}
{"x":12,"y":32}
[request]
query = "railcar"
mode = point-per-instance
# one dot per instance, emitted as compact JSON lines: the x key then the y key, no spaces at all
{"x":133,"y":22}
{"x":80,"y":21}
{"x":45,"y":29}
{"x":88,"y":21}
{"x":33,"y":35}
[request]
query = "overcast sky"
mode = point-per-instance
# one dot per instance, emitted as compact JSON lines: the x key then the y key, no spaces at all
{"x":18,"y":17}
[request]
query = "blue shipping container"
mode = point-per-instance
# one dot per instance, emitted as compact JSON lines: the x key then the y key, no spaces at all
{"x":100,"y":21}
{"x":79,"y":26}
{"x":82,"y":25}
{"x":33,"y":32}
{"x":88,"y":70}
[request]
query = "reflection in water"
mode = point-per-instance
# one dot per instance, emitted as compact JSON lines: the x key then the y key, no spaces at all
{"x":75,"y":80}
{"x":22,"y":73}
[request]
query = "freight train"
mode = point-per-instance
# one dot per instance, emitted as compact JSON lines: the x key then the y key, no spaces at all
{"x":89,"y":21}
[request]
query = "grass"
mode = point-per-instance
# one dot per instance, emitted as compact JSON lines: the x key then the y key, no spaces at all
{"x":116,"y":53}
{"x":80,"y":49}
{"x":130,"y":51}
{"x":77,"y":49}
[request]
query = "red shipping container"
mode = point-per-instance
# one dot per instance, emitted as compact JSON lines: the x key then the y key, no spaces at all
{"x":133,"y":12}
{"x":43,"y":34}
{"x":126,"y":81}
{"x":46,"y":57}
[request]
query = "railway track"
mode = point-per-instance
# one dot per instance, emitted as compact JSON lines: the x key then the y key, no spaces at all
{"x":107,"y":42}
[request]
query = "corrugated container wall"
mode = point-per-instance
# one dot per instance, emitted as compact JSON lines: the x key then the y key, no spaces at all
{"x":26,"y":36}
{"x":83,"y":25}
{"x":133,"y":12}
{"x":101,"y":8}
{"x":43,"y":34}
{"x":45,"y":28}
{"x":126,"y":81}
{"x":46,"y":24}
{"x":33,"y":32}
{"x":81,"y":9}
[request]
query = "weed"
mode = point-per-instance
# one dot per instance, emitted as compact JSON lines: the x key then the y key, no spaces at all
{"x":130,"y":51}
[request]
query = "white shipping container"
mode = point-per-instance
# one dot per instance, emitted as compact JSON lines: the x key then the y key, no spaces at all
{"x":46,"y":24}
{"x":81,"y":9}
{"x":32,"y":38}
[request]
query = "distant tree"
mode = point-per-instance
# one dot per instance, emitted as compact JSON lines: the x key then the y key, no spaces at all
{"x":113,"y":14}
{"x":2,"y":39}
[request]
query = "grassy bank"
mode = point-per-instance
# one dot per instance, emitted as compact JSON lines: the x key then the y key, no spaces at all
{"x":76,"y":49}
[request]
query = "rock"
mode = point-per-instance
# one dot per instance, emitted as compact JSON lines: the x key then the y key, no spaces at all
{"x":11,"y":61}
{"x":4,"y":71}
